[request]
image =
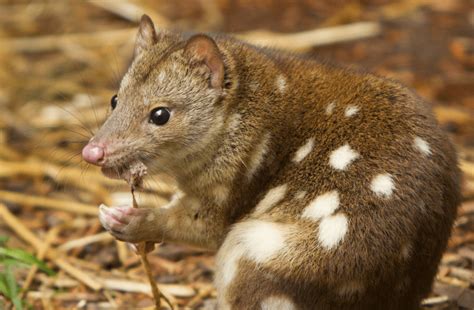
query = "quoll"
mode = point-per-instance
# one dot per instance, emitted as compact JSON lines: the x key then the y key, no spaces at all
{"x":319,"y":187}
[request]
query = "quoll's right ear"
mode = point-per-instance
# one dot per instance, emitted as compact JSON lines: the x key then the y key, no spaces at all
{"x":204,"y":50}
{"x":146,"y":36}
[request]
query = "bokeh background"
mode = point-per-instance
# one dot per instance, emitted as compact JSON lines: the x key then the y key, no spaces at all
{"x":61,"y":61}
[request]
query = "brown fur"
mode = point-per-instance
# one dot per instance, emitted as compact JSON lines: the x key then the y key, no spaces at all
{"x":221,"y":125}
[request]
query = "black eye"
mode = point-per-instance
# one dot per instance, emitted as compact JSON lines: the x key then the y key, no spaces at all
{"x":114,"y":101}
{"x":159,"y":116}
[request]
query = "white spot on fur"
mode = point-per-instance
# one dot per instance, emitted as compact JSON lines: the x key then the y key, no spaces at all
{"x":304,"y":151}
{"x":382,"y":185}
{"x":254,"y":86}
{"x":220,"y":193}
{"x":330,"y":108}
{"x":281,"y":83}
{"x":257,"y":157}
{"x":161,"y":77}
{"x":273,"y":196}
{"x":351,"y":110}
{"x":342,"y":157}
{"x":234,"y":122}
{"x":300,"y":195}
{"x":150,"y":217}
{"x":351,"y":288}
{"x":228,"y":260}
{"x":253,"y":239}
{"x":321,"y":206}
{"x":405,"y":251}
{"x":263,"y":240}
{"x":175,"y":199}
{"x":422,"y":145}
{"x":277,"y":303}
{"x":332,"y":230}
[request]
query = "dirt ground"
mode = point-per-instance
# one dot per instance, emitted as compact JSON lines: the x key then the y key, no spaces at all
{"x":61,"y":61}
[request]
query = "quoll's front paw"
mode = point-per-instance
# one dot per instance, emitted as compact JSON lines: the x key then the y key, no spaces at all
{"x":129,"y":224}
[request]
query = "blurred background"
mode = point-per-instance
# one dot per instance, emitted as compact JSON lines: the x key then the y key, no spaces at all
{"x":61,"y":61}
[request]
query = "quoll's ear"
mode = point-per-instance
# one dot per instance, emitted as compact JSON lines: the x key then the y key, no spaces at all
{"x":204,"y":50}
{"x":146,"y":36}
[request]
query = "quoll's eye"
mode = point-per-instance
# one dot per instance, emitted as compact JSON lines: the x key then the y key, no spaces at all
{"x":114,"y":101}
{"x":159,"y":116}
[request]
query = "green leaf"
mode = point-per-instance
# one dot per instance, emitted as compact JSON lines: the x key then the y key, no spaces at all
{"x":13,"y":262}
{"x":3,"y":286}
{"x":3,"y":240}
{"x":27,"y":258}
{"x":13,"y":288}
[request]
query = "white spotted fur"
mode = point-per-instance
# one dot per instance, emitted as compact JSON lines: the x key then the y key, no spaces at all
{"x":342,"y":157}
{"x":220,"y":193}
{"x":332,"y":230}
{"x":300,"y":194}
{"x":272,"y":197}
{"x":253,"y":239}
{"x":351,"y":110}
{"x":321,"y":206}
{"x":277,"y":303}
{"x":382,"y":185}
{"x":330,"y":108}
{"x":422,"y":146}
{"x":281,"y":83}
{"x":258,"y":156}
{"x":304,"y":150}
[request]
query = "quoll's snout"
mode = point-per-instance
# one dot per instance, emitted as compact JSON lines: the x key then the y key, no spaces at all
{"x":94,"y":153}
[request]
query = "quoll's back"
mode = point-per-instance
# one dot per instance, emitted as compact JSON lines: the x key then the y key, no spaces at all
{"x":358,"y":212}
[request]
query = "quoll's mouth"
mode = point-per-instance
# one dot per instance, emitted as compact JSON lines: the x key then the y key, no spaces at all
{"x":112,"y":172}
{"x":133,"y":172}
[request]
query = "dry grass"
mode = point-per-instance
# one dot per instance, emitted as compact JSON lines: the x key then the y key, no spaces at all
{"x":60,"y":64}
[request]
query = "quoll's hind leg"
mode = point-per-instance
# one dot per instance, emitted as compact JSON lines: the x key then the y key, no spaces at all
{"x":270,"y":265}
{"x":241,"y":279}
{"x":253,"y":288}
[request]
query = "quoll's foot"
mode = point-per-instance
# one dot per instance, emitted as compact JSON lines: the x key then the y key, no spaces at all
{"x":129,"y":224}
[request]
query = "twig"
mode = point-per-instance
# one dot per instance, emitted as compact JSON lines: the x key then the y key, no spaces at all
{"x":467,"y":168}
{"x":81,"y":242}
{"x":90,"y":181}
{"x":125,"y":285}
{"x":56,"y":42}
{"x":141,"y":249}
{"x":50,"y":203}
{"x":131,"y":11}
{"x":203,"y":293}
{"x":317,"y":37}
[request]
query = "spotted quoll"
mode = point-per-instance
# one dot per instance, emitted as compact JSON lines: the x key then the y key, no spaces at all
{"x":319,"y":187}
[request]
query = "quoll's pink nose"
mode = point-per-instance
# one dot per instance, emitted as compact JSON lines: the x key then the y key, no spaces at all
{"x":93,"y":153}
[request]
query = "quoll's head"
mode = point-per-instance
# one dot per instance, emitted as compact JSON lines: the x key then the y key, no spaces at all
{"x":169,"y":104}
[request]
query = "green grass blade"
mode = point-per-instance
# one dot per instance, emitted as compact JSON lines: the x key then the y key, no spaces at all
{"x":27,"y":258}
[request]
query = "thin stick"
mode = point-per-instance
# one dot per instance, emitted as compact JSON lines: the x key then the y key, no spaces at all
{"x":131,"y":11}
{"x":88,"y":239}
{"x":141,"y":249}
{"x":304,"y":40}
{"x":63,"y":205}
